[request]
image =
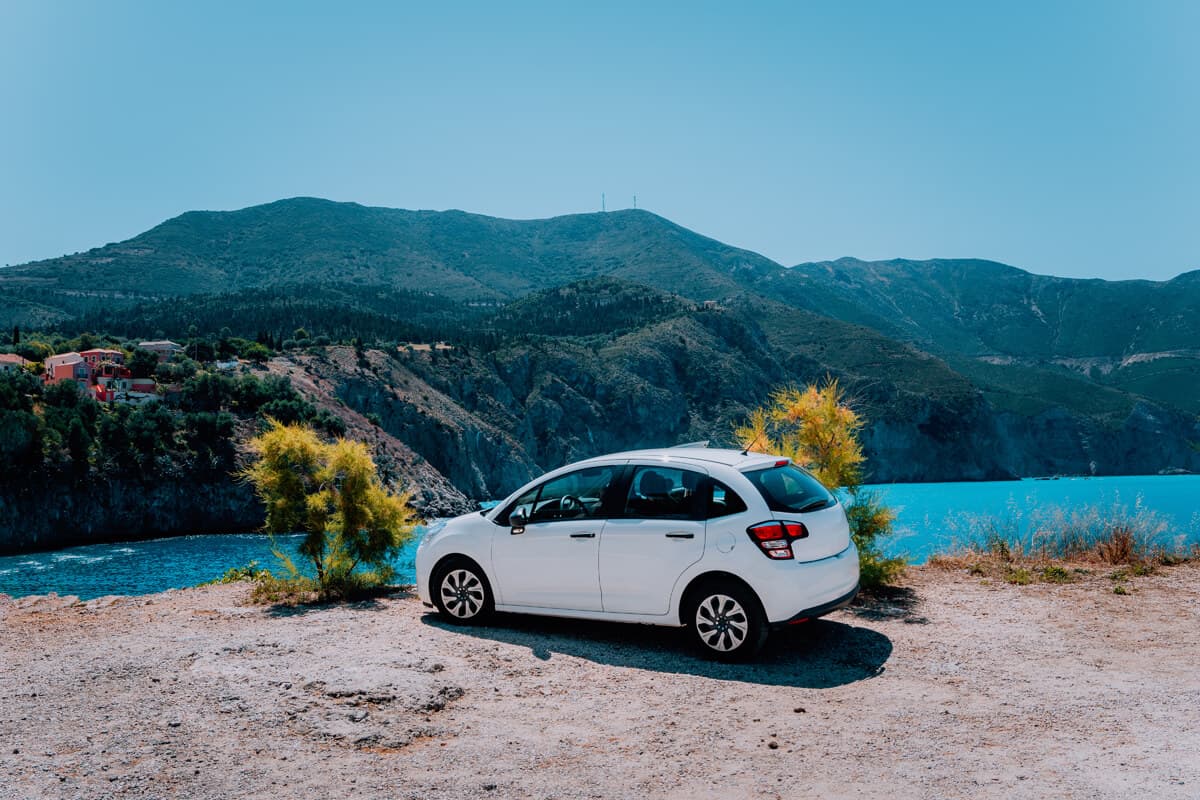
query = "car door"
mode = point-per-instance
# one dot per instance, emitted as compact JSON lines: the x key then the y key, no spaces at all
{"x":657,"y":535}
{"x":552,"y":560}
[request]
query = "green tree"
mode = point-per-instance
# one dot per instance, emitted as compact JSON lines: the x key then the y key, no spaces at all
{"x":332,"y":493}
{"x":79,"y":443}
{"x":256,"y":352}
{"x":16,"y":337}
{"x":21,"y":430}
{"x":143,"y":363}
{"x":817,"y":428}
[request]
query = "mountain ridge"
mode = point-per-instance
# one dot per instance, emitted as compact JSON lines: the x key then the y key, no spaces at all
{"x":939,"y":350}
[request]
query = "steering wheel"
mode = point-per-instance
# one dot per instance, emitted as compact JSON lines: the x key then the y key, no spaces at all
{"x":570,"y":503}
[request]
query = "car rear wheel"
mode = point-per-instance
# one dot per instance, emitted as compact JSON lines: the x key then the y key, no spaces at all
{"x":727,"y":622}
{"x":461,"y":593}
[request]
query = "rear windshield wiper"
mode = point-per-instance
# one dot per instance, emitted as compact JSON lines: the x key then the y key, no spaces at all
{"x":813,"y":506}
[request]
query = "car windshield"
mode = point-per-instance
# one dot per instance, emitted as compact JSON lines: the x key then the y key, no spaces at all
{"x":789,"y":488}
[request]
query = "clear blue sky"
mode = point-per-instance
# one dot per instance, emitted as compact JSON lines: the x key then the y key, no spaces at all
{"x":1060,"y":137}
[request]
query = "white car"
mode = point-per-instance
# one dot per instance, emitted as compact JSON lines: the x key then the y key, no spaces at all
{"x":726,"y":543}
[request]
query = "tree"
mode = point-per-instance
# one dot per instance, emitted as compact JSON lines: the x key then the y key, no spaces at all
{"x":354,"y":527}
{"x":817,"y":429}
{"x":257,"y":353}
{"x":16,"y":337}
{"x":142,"y":363}
{"x":79,"y":443}
{"x":21,"y":430}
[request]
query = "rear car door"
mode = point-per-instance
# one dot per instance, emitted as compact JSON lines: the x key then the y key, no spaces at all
{"x":552,"y":561}
{"x":657,"y":535}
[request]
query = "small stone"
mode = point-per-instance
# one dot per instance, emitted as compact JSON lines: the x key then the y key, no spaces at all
{"x":773,"y":745}
{"x":489,"y":787}
{"x":798,"y":710}
{"x":174,"y":723}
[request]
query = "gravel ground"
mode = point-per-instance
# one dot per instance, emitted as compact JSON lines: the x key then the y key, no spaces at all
{"x":952,"y":688}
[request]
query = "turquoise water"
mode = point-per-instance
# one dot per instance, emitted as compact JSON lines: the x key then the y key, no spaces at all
{"x":929,"y":516}
{"x":935,"y":516}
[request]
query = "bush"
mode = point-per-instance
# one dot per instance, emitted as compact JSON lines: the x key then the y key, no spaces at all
{"x":353,"y":525}
{"x":249,"y":572}
{"x":818,"y":430}
{"x":273,"y":590}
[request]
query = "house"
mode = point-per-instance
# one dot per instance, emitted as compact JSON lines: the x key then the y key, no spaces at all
{"x":103,"y":375}
{"x":94,"y":358}
{"x":67,"y":367}
{"x":124,"y":389}
{"x":163,"y":348}
{"x":12,"y":361}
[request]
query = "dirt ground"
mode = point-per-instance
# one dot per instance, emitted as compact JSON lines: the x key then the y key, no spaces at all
{"x":952,"y":688}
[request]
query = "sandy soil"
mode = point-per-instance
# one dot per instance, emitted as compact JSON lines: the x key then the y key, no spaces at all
{"x":954,"y":688}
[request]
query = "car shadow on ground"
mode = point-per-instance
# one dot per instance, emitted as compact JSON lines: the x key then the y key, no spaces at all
{"x":815,"y":655}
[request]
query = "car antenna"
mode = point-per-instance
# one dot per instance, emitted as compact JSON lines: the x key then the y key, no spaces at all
{"x":754,"y":441}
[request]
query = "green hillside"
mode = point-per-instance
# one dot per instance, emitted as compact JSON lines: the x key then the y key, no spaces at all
{"x":945,"y":357}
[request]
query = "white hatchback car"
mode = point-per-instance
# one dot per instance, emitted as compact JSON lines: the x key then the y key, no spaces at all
{"x":727,"y":543}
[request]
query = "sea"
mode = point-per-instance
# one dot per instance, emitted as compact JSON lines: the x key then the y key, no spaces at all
{"x":929,"y":517}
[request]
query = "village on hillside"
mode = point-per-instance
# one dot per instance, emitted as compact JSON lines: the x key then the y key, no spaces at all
{"x":106,"y":374}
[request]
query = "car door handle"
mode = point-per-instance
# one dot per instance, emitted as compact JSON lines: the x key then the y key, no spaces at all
{"x":681,"y":536}
{"x":583,"y":536}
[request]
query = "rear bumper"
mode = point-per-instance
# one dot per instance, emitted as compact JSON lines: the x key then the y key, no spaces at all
{"x":821,"y":610}
{"x":799,"y":590}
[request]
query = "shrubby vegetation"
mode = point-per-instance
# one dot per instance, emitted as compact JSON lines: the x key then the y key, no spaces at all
{"x":332,"y":493}
{"x":1058,"y":545}
{"x":818,"y":430}
{"x":58,"y":430}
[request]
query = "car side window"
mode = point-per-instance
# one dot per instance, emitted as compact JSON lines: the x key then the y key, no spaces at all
{"x":663,"y":493}
{"x":576,"y":495}
{"x":723,"y":501}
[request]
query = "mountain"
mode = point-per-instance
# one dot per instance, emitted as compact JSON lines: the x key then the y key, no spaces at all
{"x":1001,"y":326}
{"x":458,"y":255}
{"x":577,"y":334}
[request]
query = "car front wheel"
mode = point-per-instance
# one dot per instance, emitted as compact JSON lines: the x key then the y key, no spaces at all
{"x":461,"y":593}
{"x":727,"y":622}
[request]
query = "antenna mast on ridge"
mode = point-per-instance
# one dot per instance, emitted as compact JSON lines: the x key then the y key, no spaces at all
{"x":603,"y":207}
{"x":635,"y":202}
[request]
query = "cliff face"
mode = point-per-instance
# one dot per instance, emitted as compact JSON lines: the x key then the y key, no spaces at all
{"x":1150,"y":439}
{"x":456,"y":427}
{"x":46,"y":515}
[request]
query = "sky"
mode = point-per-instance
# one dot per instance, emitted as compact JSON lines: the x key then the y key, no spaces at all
{"x":1059,"y":137}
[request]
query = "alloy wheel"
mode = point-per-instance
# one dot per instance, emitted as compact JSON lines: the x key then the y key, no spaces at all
{"x":462,"y":593}
{"x":722,"y":623}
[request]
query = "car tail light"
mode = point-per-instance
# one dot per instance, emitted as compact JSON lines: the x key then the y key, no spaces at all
{"x":775,"y":538}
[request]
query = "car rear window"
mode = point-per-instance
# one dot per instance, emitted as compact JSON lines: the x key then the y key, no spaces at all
{"x":789,"y":488}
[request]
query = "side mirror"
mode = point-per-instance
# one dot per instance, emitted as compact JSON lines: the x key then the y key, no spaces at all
{"x":517,"y":521}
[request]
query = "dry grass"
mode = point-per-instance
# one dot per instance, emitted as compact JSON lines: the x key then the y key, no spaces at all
{"x":1058,"y":545}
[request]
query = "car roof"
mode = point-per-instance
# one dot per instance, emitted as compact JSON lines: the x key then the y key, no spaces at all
{"x":738,"y":459}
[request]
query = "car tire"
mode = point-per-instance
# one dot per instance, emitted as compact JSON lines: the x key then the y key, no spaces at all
{"x":726,"y":620}
{"x":461,"y":592}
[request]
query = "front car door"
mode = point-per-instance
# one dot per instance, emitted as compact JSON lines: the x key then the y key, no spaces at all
{"x":553,"y":562}
{"x":658,"y":534}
